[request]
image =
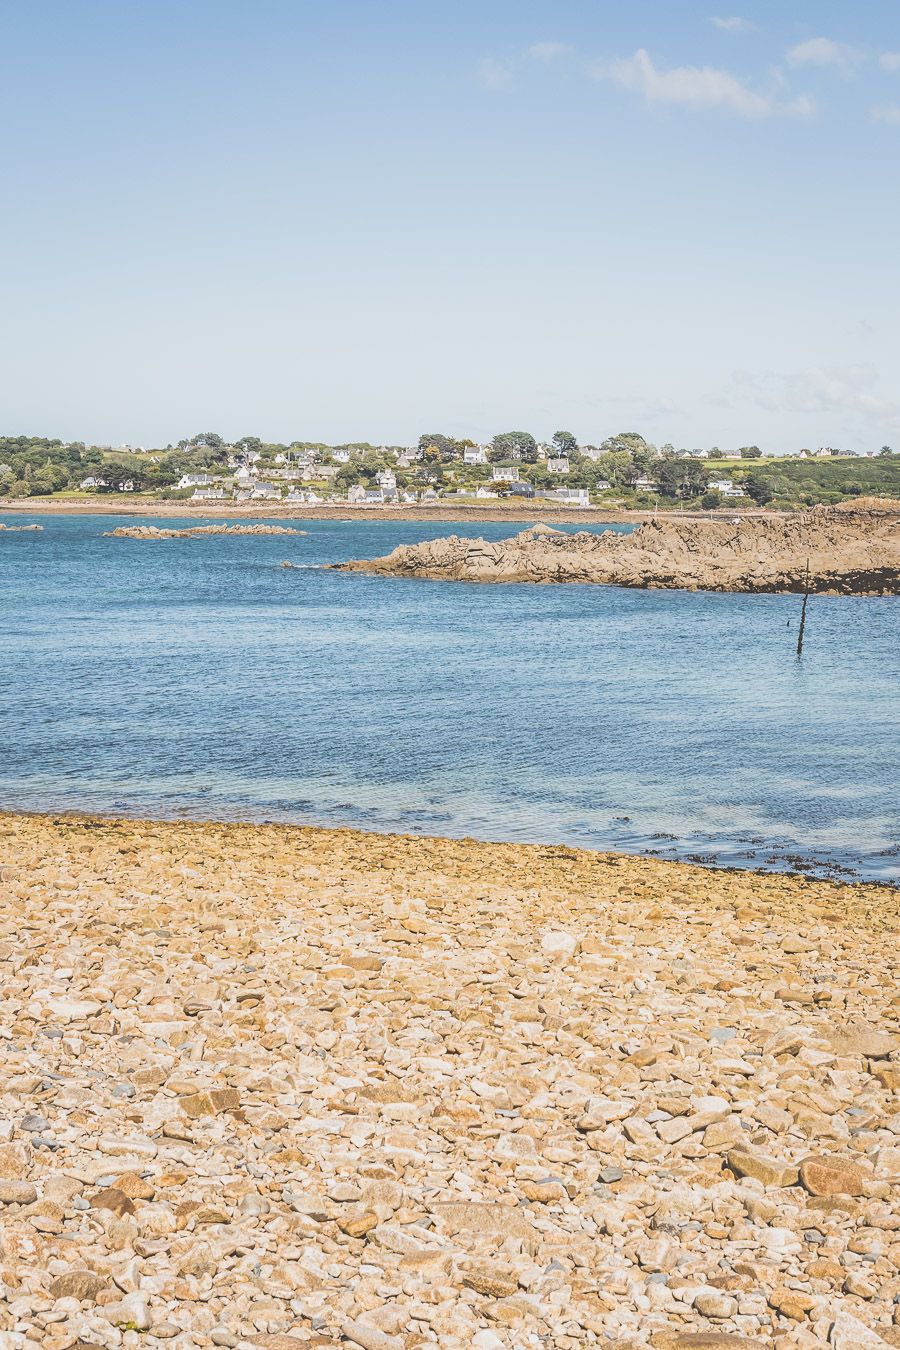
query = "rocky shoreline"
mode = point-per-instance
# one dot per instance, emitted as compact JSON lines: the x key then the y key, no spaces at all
{"x":524,"y":513}
{"x":274,"y":1086}
{"x":194,"y":531}
{"x":835,"y":551}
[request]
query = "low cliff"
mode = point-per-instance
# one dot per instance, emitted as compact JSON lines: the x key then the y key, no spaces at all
{"x":853,"y":553}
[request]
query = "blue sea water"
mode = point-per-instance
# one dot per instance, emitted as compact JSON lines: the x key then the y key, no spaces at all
{"x":198,"y":678}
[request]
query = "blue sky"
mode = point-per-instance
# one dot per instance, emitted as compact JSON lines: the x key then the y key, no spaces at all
{"x":361,"y":220}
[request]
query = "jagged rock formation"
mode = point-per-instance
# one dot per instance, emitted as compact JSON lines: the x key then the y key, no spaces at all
{"x":18,"y":529}
{"x":844,"y":552}
{"x":154,"y":532}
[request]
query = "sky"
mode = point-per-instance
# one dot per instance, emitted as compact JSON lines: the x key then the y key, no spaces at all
{"x":358,"y":221}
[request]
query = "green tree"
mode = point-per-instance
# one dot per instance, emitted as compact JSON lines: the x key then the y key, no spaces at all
{"x":117,"y":473}
{"x":750,"y":452}
{"x":681,"y":477}
{"x":517,"y":445}
{"x":447,"y":447}
{"x":711,"y":499}
{"x":211,"y":439}
{"x":759,"y":489}
{"x":565,"y":443}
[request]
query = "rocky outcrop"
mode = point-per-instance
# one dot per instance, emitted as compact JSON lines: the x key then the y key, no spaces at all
{"x":18,"y":529}
{"x":844,"y":552}
{"x":194,"y":531}
{"x":272,"y":1087}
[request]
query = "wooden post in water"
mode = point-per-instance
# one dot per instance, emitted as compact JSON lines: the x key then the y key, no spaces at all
{"x":803,"y":611}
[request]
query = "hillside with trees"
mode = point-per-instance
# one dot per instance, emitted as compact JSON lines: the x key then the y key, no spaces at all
{"x":622,"y":470}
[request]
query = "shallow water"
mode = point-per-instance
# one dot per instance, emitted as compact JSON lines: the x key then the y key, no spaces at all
{"x":198,"y":678}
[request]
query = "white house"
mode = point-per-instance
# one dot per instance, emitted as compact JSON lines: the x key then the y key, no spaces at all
{"x":726,"y":487}
{"x":363,"y":496}
{"x":244,"y":476}
{"x":557,"y":463}
{"x":505,"y":473}
{"x":341,"y":456}
{"x":485,"y":492}
{"x":303,"y":497}
{"x":568,"y":496}
{"x":268,"y":492}
{"x":87,"y":483}
{"x":642,"y":481}
{"x":475,"y":454}
{"x":601,"y":485}
{"x":195,"y":480}
{"x":209,"y":494}
{"x":387,"y":479}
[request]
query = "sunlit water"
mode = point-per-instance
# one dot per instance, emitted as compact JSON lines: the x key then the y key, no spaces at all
{"x":199,"y":678}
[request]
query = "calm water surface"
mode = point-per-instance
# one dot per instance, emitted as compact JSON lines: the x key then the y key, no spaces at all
{"x":199,"y":678}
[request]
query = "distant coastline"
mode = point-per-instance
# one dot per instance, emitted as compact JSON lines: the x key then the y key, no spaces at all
{"x":523,"y":513}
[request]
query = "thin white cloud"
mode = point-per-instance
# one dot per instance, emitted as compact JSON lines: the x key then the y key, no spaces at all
{"x":822,"y":51}
{"x":889,"y":60}
{"x":493,"y":75}
{"x":547,"y":51}
{"x":804,"y":105}
{"x":833,"y":390}
{"x":699,"y":87}
{"x":888,"y":113}
{"x":498,"y":76}
{"x":732,"y":24}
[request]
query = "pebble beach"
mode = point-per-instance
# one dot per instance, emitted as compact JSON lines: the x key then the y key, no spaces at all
{"x":278,"y":1086}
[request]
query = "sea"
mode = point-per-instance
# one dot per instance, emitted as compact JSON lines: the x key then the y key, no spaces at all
{"x":199,"y":678}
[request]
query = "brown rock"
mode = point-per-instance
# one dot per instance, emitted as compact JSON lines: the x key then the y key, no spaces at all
{"x":199,"y":1104}
{"x":491,"y":1279}
{"x":281,"y":1340}
{"x":848,"y":1333}
{"x":543,"y":1192}
{"x":703,"y":1340}
{"x":114,"y":1200}
{"x":824,"y":1269}
{"x":17,"y":1192}
{"x":472,"y":1216}
{"x":134,"y":1186}
{"x":836,"y":550}
{"x":791,"y":1302}
{"x":15,"y":1161}
{"x":770,"y":1171}
{"x":832,"y":1176}
{"x":357,"y":1225}
{"x":866,"y":1041}
{"x":85,"y":1285}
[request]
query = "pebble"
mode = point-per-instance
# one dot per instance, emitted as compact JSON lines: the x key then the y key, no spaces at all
{"x":313,"y":1087}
